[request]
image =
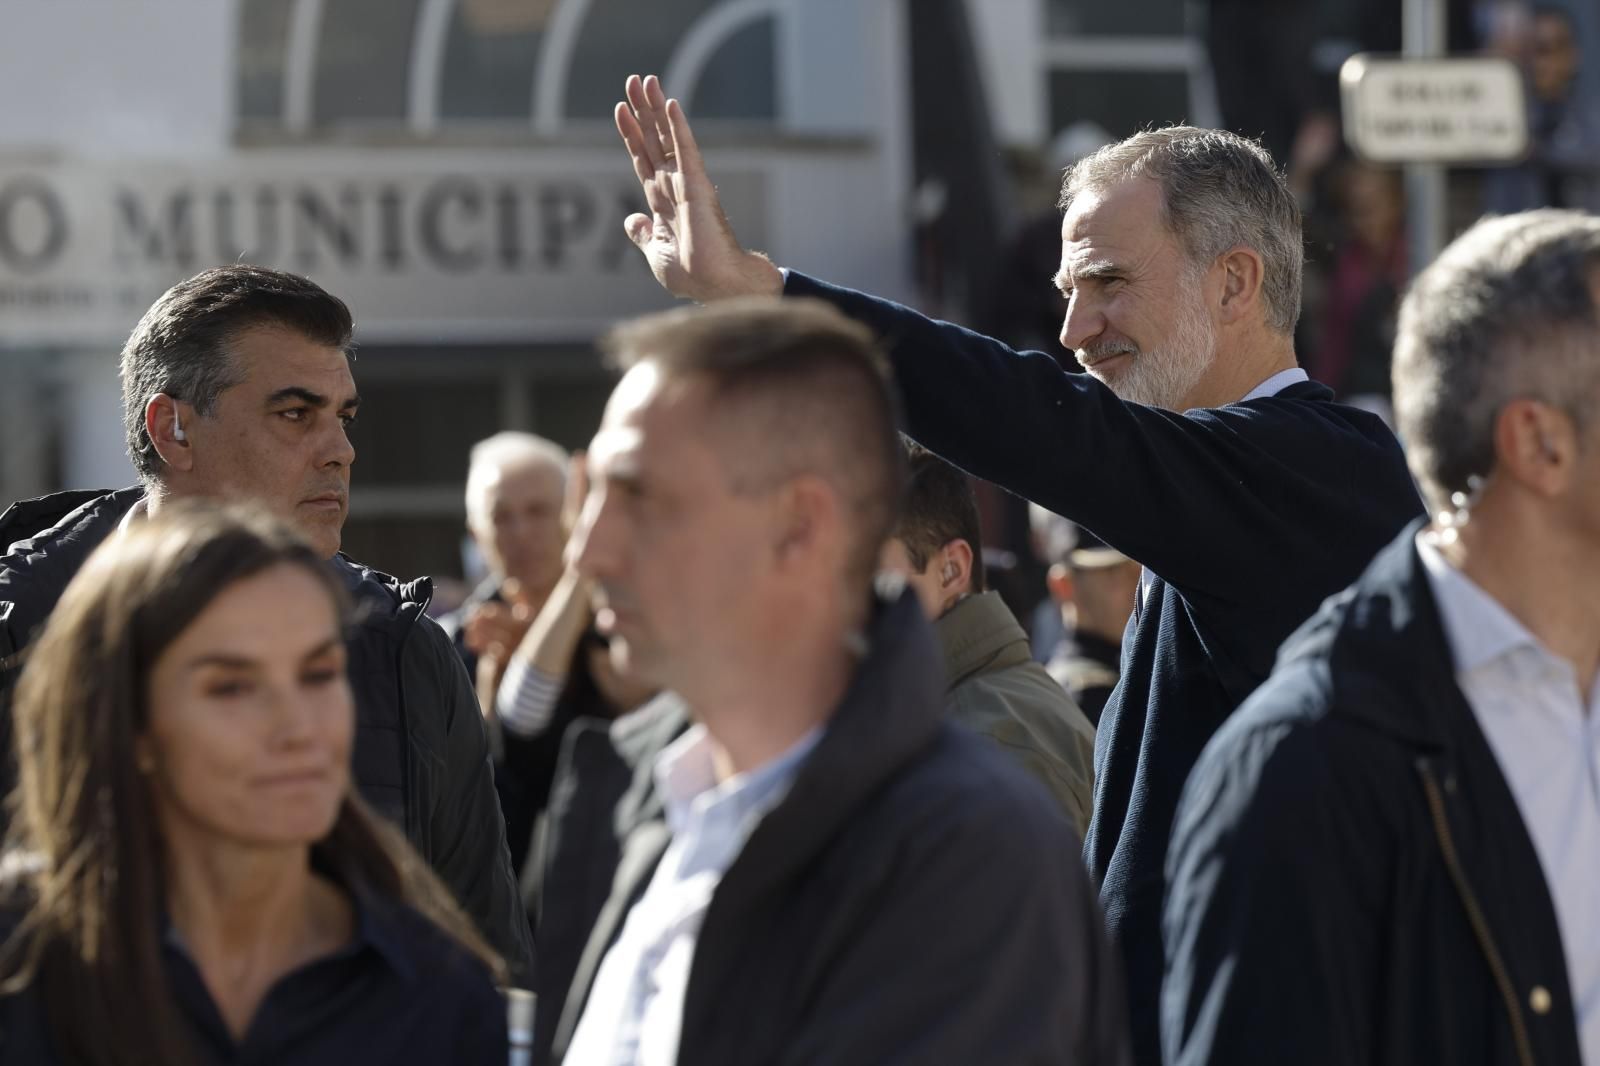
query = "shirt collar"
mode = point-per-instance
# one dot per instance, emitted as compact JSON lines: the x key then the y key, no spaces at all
{"x":137,"y":513}
{"x":686,"y":777}
{"x":1276,"y":384}
{"x":1478,"y":629}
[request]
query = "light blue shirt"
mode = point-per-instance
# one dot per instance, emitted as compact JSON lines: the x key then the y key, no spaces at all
{"x":635,"y":1010}
{"x":1545,"y":734}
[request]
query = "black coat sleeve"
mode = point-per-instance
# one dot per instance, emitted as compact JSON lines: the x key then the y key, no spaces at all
{"x":1205,"y":498}
{"x":1274,"y":904}
{"x":467,"y":831}
{"x":988,"y":948}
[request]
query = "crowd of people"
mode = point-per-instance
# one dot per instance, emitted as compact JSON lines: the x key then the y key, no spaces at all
{"x":736,"y":757}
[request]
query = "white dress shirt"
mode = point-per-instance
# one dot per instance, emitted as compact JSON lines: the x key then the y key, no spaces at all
{"x":1545,"y":735}
{"x":635,"y":1009}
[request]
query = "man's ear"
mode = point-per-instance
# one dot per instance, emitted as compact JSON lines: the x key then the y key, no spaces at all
{"x":810,"y":519}
{"x":165,"y":420}
{"x":1537,"y":445}
{"x":955,"y":567}
{"x":1241,"y":282}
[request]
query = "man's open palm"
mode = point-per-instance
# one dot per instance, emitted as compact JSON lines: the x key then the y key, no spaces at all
{"x":686,"y":238}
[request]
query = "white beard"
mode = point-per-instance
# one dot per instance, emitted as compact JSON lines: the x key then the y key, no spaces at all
{"x":1162,"y":377}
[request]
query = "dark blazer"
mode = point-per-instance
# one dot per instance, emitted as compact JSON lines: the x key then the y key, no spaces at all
{"x":1244,"y":516}
{"x":1351,"y":879}
{"x":914,"y":898}
{"x":421,"y":752}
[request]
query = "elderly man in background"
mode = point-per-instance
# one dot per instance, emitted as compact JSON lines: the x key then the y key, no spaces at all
{"x":1390,"y":854}
{"x":1194,"y":443}
{"x":515,"y":485}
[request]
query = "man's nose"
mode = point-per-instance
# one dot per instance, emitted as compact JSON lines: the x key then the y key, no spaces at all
{"x":1083,"y":322}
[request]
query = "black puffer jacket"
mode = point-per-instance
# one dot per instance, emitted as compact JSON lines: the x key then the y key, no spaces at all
{"x":421,"y":754}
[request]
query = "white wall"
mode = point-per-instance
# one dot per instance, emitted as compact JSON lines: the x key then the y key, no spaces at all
{"x":109,"y":78}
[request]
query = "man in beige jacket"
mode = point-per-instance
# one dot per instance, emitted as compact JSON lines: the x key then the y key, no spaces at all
{"x":993,"y":685}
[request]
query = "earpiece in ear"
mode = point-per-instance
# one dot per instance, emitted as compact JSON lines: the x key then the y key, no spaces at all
{"x":949,"y":573}
{"x":177,"y":429}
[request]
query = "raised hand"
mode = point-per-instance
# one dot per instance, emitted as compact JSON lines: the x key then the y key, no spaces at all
{"x":686,"y":238}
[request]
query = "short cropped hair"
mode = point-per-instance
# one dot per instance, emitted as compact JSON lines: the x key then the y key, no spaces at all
{"x":940,"y":507}
{"x":499,"y":452}
{"x":1219,"y":190}
{"x":1507,"y":311}
{"x":802,"y":390}
{"x":181,"y":345}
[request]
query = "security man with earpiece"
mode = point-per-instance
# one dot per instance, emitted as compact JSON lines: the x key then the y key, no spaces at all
{"x":993,"y":686}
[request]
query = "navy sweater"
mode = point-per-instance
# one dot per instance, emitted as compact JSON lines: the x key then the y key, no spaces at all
{"x":1246,"y":517}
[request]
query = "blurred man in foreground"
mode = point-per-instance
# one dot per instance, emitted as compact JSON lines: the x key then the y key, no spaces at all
{"x":821,"y":869}
{"x":1390,"y":854}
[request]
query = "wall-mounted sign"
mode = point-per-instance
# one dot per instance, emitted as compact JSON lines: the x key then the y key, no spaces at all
{"x":1433,"y":110}
{"x":426,"y":246}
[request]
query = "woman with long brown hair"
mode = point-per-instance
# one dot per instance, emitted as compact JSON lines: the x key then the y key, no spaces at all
{"x":191,"y":878}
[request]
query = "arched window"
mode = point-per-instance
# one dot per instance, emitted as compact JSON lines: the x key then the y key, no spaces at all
{"x":310,"y":65}
{"x":490,"y":52}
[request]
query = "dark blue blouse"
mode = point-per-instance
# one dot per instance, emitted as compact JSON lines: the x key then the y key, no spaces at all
{"x":400,"y":992}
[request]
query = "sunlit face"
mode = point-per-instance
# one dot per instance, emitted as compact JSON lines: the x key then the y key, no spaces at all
{"x":279,"y":436}
{"x":519,"y":528}
{"x":1136,"y":309}
{"x":680,"y":561}
{"x":251,"y":718}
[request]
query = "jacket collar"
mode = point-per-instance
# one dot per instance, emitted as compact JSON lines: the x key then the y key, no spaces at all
{"x":890,"y":713}
{"x":37,"y":569}
{"x":1383,"y":643}
{"x":979,"y":634}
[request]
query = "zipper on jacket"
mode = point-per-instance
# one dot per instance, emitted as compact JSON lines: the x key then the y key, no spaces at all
{"x":1480,"y":925}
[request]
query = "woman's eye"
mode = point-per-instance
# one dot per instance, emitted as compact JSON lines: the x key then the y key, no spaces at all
{"x":318,"y":678}
{"x":226,"y":689}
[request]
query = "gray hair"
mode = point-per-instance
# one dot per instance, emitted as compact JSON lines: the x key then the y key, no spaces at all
{"x":1507,"y":311}
{"x":501,"y":452}
{"x":1219,"y":191}
{"x":181,"y":345}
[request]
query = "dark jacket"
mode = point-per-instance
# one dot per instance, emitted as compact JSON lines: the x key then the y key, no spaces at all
{"x":421,"y":755}
{"x":1351,"y":880}
{"x":999,"y":692}
{"x":572,"y":875}
{"x":913,"y":899}
{"x":454,"y":623}
{"x":1247,"y":516}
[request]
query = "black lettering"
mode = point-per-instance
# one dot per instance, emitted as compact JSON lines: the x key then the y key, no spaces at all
{"x":320,"y":223}
{"x":230,"y":248}
{"x":53,"y":237}
{"x":138,"y":238}
{"x":508,"y":226}
{"x":468,"y":200}
{"x":566,"y":213}
{"x":391,"y":228}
